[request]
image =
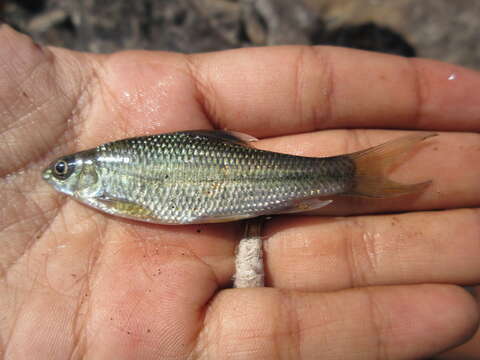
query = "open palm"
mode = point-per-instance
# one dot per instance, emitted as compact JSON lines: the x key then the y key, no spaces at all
{"x":76,"y":283}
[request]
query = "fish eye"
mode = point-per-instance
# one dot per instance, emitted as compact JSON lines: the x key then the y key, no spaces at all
{"x":63,"y":168}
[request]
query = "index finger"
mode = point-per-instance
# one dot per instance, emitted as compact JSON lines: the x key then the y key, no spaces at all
{"x":291,"y":89}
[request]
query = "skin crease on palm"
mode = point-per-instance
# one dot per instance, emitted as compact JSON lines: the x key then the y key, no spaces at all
{"x":382,"y":283}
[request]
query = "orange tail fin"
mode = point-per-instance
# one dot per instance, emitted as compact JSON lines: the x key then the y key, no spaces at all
{"x":372,"y":165}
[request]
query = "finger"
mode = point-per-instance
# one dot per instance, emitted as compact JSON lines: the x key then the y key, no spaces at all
{"x":374,"y":323}
{"x":469,"y":350}
{"x":283,"y":90}
{"x":321,"y":254}
{"x":450,"y":160}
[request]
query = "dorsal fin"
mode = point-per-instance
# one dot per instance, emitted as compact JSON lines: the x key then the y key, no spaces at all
{"x":228,"y":136}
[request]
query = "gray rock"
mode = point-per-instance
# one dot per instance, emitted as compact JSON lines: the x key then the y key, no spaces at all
{"x":278,"y":22}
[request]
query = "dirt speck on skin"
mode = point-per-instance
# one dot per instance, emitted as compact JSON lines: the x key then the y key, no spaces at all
{"x":395,"y":221}
{"x":159,"y":272}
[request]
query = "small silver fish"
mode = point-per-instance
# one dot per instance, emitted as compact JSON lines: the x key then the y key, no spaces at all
{"x":216,"y":176}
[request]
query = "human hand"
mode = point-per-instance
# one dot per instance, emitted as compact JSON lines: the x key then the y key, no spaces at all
{"x":77,"y":283}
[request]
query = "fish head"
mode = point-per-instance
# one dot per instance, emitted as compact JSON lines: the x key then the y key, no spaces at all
{"x":75,"y":175}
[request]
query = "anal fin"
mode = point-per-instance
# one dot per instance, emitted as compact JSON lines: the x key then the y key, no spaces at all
{"x":305,"y":205}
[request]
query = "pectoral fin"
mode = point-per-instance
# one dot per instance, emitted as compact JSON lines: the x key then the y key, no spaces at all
{"x":124,"y":207}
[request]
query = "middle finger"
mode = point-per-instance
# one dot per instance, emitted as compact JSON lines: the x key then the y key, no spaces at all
{"x":323,"y":254}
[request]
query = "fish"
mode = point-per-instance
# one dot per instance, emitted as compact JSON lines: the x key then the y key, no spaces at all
{"x":209,"y":176}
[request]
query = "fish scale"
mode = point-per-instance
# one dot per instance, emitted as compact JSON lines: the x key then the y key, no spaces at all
{"x":210,"y":176}
{"x":203,"y":177}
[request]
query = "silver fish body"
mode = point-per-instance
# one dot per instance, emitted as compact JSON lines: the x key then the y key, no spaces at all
{"x":199,"y":177}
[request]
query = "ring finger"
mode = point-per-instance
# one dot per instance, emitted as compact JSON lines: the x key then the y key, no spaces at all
{"x":322,"y":254}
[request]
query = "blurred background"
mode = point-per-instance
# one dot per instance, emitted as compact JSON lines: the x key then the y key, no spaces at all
{"x":446,"y":30}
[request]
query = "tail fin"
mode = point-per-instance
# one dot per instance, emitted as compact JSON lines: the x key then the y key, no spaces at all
{"x":372,"y":164}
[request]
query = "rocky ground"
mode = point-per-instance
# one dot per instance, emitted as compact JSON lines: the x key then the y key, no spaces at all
{"x":441,"y":29}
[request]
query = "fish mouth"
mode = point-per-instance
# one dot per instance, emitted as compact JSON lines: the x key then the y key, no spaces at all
{"x":47,"y":174}
{"x":50,"y":179}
